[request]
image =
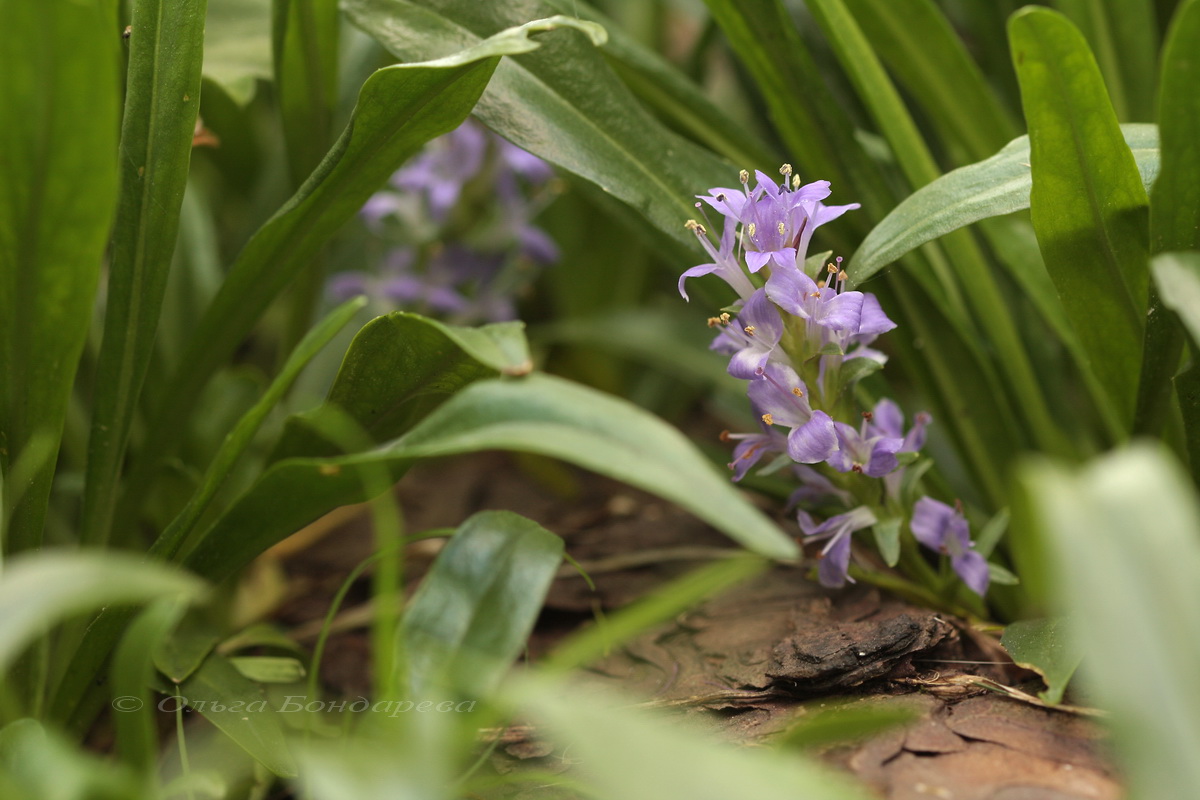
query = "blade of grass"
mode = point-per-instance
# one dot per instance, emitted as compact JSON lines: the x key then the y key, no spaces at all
{"x":162,"y":97}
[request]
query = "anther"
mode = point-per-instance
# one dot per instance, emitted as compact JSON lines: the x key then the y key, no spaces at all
{"x":749,"y":329}
{"x":786,"y":170}
{"x":767,"y":418}
{"x":744,"y":177}
{"x":724,"y":436}
{"x":796,"y":390}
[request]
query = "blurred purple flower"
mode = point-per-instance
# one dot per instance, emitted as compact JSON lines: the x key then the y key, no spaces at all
{"x":945,"y":530}
{"x":835,"y":556}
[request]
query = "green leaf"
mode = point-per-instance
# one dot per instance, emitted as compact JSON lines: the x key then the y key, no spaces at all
{"x":921,"y":47}
{"x":237,"y":46}
{"x":675,"y":97}
{"x":537,"y":414}
{"x":58,"y":187}
{"x":1174,"y":207}
{"x":131,"y":674}
{"x":269,"y":669}
{"x":1126,"y":565}
{"x":660,"y":758}
{"x":305,"y":55}
{"x":887,"y":539}
{"x":1187,"y":391}
{"x":162,"y":97}
{"x":1088,"y":202}
{"x":1044,"y":646}
{"x":399,"y":109}
{"x":474,"y":610}
{"x":562,"y":103}
{"x":184,"y":650}
{"x":1124,"y":36}
{"x":239,"y":709}
{"x":1177,"y":276}
{"x":41,"y":590}
{"x":399,"y":368}
{"x":236,"y":442}
{"x":37,"y":762}
{"x":846,"y":723}
{"x":997,"y":186}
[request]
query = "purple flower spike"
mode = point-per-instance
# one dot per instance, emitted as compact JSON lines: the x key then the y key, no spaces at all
{"x":835,"y":556}
{"x":751,"y":338}
{"x":778,"y":396}
{"x":724,"y":261}
{"x":944,"y":529}
{"x":888,"y":420}
{"x":874,"y":456}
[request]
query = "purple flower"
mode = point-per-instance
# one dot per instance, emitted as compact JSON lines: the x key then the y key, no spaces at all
{"x":778,"y":397}
{"x":751,"y":338}
{"x":799,"y":295}
{"x":751,"y":447}
{"x":444,"y":167}
{"x":835,"y":556}
{"x":814,"y":489}
{"x":724,"y":261}
{"x":888,"y":420}
{"x":872,"y":455}
{"x":944,"y":529}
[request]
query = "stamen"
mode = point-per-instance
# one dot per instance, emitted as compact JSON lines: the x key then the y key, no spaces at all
{"x":724,"y":436}
{"x":786,"y":171}
{"x":744,"y":177}
{"x":795,"y":182}
{"x":796,"y":390}
{"x":749,"y":329}
{"x":767,"y":418}
{"x":782,"y":229}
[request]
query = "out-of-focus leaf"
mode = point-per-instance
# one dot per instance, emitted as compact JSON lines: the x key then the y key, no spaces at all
{"x":849,"y":722}
{"x":269,"y":669}
{"x":474,"y":610}
{"x":399,"y":109}
{"x":40,"y":590}
{"x":1177,"y":276}
{"x":305,"y":55}
{"x":237,"y":46}
{"x":1044,"y":646}
{"x":887,"y":539}
{"x":1126,"y":561}
{"x":537,"y":414}
{"x":36,"y":762}
{"x":562,"y":103}
{"x":239,"y":708}
{"x":1000,"y":185}
{"x":184,"y":650}
{"x":59,"y":102}
{"x":132,"y":671}
{"x":162,"y":96}
{"x":1088,"y":202}
{"x":660,"y":758}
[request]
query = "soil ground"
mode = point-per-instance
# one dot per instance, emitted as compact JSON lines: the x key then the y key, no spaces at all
{"x":750,"y":664}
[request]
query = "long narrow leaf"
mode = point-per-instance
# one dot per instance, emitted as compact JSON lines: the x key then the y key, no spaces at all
{"x":59,"y":102}
{"x":161,"y":100}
